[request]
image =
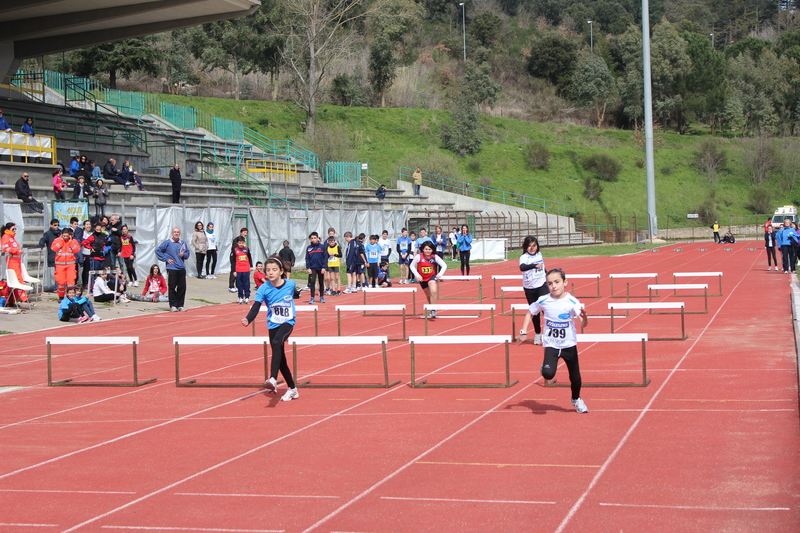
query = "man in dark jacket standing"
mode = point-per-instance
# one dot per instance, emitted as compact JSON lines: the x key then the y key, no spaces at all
{"x":175,"y":178}
{"x":24,"y":193}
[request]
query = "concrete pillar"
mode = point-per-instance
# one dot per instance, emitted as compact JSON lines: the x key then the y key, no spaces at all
{"x":8,"y":63}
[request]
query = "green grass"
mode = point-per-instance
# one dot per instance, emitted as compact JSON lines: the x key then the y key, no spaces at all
{"x":202,"y":301}
{"x":390,"y":138}
{"x":3,"y":332}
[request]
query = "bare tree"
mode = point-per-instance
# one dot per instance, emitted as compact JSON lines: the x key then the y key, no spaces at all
{"x":760,"y":158}
{"x":711,"y":159}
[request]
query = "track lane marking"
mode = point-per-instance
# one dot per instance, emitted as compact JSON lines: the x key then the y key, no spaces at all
{"x":695,"y":507}
{"x":503,"y":465}
{"x":455,"y":500}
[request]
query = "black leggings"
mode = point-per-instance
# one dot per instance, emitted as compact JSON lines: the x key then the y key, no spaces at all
{"x":129,"y":266}
{"x":532,"y":295}
{"x":277,"y":338}
{"x":372,"y":270}
{"x":211,"y":262}
{"x":788,"y":258}
{"x":570,"y":357}
{"x":771,"y":256}
{"x":312,"y":281}
{"x":74,"y":311}
{"x":199,"y":260}
{"x":464,"y":261}
{"x":104,"y":298}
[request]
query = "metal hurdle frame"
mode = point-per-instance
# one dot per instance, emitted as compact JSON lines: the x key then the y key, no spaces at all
{"x":628,"y":285}
{"x":504,"y":290}
{"x":412,"y":290}
{"x":342,"y":341}
{"x":503,"y":277}
{"x":585,"y":276}
{"x":651,"y":306}
{"x":365,"y":308}
{"x":462,"y":278}
{"x":458,"y":307}
{"x":612,"y":337}
{"x":718,"y":275}
{"x":299,"y":309}
{"x":205,"y":341}
{"x":93,"y":341}
{"x":469,"y":339}
{"x":681,"y":286}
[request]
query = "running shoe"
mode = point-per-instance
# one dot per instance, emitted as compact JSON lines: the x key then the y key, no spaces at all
{"x":271,"y":385}
{"x":537,"y":338}
{"x":321,"y":300}
{"x":83,"y":319}
{"x":311,"y":301}
{"x":433,"y":314}
{"x":247,"y":301}
{"x":231,"y":289}
{"x":182,"y":309}
{"x":290,"y":395}
{"x":347,"y":291}
{"x":123,"y":299}
{"x":173,"y":309}
{"x":580,"y":406}
{"x":96,"y":318}
{"x":241,"y":301}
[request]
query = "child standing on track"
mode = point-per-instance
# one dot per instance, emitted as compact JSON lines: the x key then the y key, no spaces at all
{"x":531,"y":264}
{"x":424,"y":269}
{"x":244,"y":264}
{"x":464,"y":248}
{"x":386,"y":246}
{"x":403,"y":252}
{"x":771,"y":245}
{"x":560,"y":336}
{"x":278,"y":295}
{"x":354,"y":257}
{"x":334,"y":262}
{"x":316,"y":263}
{"x":373,"y":253}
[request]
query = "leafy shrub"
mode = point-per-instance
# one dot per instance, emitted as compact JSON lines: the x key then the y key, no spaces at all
{"x":537,"y":155}
{"x":760,"y":199}
{"x":474,"y":165}
{"x":485,"y":181}
{"x":605,"y":166}
{"x":666,"y":170}
{"x":710,"y":159}
{"x":263,"y":121}
{"x":592,"y":188}
{"x":640,"y":163}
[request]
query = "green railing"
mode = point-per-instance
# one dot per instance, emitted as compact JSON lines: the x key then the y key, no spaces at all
{"x":236,"y":179}
{"x":181,"y":116}
{"x":343,"y":174}
{"x":487,"y":193}
{"x":287,"y":150}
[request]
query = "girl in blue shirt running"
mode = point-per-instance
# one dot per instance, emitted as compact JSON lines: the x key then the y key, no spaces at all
{"x":278,"y":294}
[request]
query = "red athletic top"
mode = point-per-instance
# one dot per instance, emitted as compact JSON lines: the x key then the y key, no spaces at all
{"x":426,"y":268}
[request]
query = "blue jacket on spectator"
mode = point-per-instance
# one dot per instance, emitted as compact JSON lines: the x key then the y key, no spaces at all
{"x":27,"y":128}
{"x":74,"y":167}
{"x":316,"y":256}
{"x":177,"y":251}
{"x":787,"y":236}
{"x":464,"y":242}
{"x":4,"y":124}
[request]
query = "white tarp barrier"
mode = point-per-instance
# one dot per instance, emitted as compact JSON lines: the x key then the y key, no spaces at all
{"x":488,"y":249}
{"x":32,"y":144}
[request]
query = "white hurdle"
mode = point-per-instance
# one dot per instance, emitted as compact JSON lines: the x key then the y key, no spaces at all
{"x":503,"y":277}
{"x":650,"y":306}
{"x":457,"y":307}
{"x":460,"y":339}
{"x":220,"y":341}
{"x":674,"y":287}
{"x":717,"y":275}
{"x":365,"y":308}
{"x":525,"y":308}
{"x":612,"y":277}
{"x":298,"y":309}
{"x":385,"y":290}
{"x":503,"y":291}
{"x":570,"y":277}
{"x":462,"y":278}
{"x":93,"y":341}
{"x":343,"y":341}
{"x":589,"y":338}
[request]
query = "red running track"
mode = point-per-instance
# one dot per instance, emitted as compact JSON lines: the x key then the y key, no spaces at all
{"x":710,"y":445}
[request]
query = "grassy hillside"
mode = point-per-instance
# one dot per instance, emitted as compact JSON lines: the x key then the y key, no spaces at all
{"x":390,"y":138}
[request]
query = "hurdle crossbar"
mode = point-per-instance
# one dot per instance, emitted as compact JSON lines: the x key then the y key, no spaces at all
{"x":646,"y":275}
{"x":457,"y":307}
{"x":93,"y":341}
{"x":525,"y":308}
{"x":503,"y":277}
{"x":503,"y":291}
{"x":207,"y":341}
{"x":650,"y":306}
{"x":383,"y":290}
{"x":462,"y":278}
{"x":717,"y":275}
{"x":674,"y":287}
{"x":343,"y":341}
{"x":612,"y":337}
{"x":585,"y":276}
{"x":365,"y":308}
{"x":468,"y":339}
{"x":298,"y":309}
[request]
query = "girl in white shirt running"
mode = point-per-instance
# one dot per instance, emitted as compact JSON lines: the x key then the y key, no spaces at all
{"x":531,"y":264}
{"x":560,"y":336}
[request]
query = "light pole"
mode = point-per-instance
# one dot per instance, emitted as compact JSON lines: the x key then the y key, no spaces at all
{"x":712,"y":40}
{"x":464,"y":29}
{"x":591,"y":36}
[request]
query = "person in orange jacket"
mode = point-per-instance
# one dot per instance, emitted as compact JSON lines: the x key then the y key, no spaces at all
{"x":13,"y":251}
{"x":66,"y":249}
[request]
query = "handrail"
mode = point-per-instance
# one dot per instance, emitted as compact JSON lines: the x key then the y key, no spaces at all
{"x":487,"y":193}
{"x":294,"y":152}
{"x":14,"y":84}
{"x":28,"y":146}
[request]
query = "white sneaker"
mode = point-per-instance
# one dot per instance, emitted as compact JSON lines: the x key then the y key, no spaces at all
{"x":247,"y":301}
{"x":181,"y":309}
{"x":537,"y":338}
{"x":241,"y":301}
{"x":96,"y":318}
{"x":290,"y":395}
{"x":580,"y":406}
{"x":124,"y":300}
{"x":232,"y":290}
{"x":272,"y":385}
{"x":173,"y":309}
{"x":347,"y":291}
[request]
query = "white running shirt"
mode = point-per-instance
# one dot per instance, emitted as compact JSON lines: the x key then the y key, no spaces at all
{"x":559,"y":324}
{"x":535,"y":277}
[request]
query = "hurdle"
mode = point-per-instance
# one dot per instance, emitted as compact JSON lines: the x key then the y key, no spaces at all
{"x":463,"y":278}
{"x":365,"y":308}
{"x":458,"y":307}
{"x":627,"y":284}
{"x":612,"y":337}
{"x":525,"y":308}
{"x":650,"y":306}
{"x":718,"y":275}
{"x":94,"y":341}
{"x":298,"y":309}
{"x":674,"y":287}
{"x":206,"y":341}
{"x":585,"y":276}
{"x":502,"y":277}
{"x":503,"y":291}
{"x":383,"y":290}
{"x":342,"y":341}
{"x":469,"y":339}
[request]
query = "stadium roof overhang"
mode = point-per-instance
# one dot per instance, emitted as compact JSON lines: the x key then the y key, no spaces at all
{"x":33,"y":28}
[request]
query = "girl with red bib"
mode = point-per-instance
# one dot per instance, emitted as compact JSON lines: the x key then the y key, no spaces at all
{"x":424,"y":269}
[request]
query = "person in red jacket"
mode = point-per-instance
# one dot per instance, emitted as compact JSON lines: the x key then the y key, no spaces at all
{"x":3,"y":292}
{"x":127,"y":252}
{"x":13,"y":252}
{"x":66,"y":249}
{"x":155,"y":286}
{"x":244,"y":264}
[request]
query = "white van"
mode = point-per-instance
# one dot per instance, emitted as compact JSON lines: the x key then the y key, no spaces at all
{"x":781,"y":214}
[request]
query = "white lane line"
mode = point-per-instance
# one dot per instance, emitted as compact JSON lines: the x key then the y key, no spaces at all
{"x":4,"y":524}
{"x":253,"y":495}
{"x":696,"y":507}
{"x":67,"y":491}
{"x":618,"y":448}
{"x":455,"y":500}
{"x":222,"y":530}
